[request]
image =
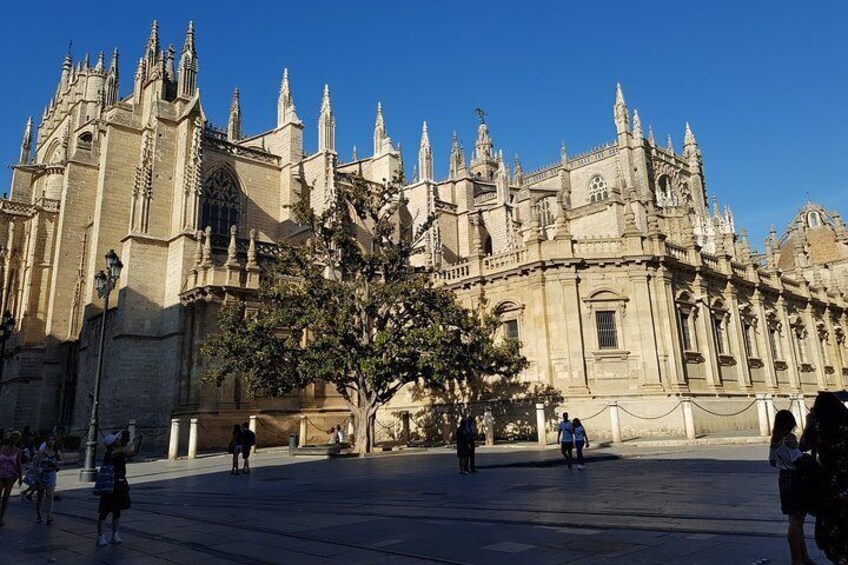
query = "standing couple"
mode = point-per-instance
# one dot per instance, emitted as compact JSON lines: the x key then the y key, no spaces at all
{"x":571,"y":435}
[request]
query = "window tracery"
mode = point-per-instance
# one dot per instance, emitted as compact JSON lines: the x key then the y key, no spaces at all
{"x":598,"y":189}
{"x":221,"y":202}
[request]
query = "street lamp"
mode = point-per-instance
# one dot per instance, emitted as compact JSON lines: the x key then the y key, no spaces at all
{"x":6,"y":327}
{"x":104,"y":282}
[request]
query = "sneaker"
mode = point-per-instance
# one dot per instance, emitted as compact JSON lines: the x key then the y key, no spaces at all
{"x":102,"y":541}
{"x":581,"y":467}
{"x":115,"y":539}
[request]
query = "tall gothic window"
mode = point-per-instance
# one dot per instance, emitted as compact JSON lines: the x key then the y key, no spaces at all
{"x":598,"y":189}
{"x":547,"y":211}
{"x":220,"y":202}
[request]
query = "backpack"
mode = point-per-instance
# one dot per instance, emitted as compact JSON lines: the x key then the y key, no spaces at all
{"x":248,"y":438}
{"x":812,"y":482}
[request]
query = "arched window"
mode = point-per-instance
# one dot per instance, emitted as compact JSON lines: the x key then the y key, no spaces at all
{"x":598,"y":189}
{"x":487,"y":245}
{"x":665,"y":194}
{"x":84,"y":141}
{"x":546,"y":211}
{"x":814,"y":219}
{"x":220,"y":202}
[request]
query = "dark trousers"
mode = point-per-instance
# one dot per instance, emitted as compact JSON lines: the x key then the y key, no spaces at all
{"x":471,"y":464}
{"x":566,"y":452}
{"x":579,"y":445}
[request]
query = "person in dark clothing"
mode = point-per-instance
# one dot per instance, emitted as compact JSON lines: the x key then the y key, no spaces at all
{"x":235,"y":447}
{"x":463,"y":449}
{"x":471,"y":432}
{"x":118,"y":451}
{"x":826,"y":435}
{"x":248,"y":441}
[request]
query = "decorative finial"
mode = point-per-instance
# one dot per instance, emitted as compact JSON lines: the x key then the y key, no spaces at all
{"x":481,"y":115}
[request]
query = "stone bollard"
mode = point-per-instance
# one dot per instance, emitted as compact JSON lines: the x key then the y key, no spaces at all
{"x":350,"y":430}
{"x":301,"y":438}
{"x":795,"y":402}
{"x":405,"y":435}
{"x":252,"y":426}
{"x":192,"y":438}
{"x":770,"y":410}
{"x":762,"y":415}
{"x":802,"y":408}
{"x":541,"y":429}
{"x":688,"y":418}
{"x":446,"y":427}
{"x":489,"y":425}
{"x":132,"y":428}
{"x":174,"y":442}
{"x":615,"y":421}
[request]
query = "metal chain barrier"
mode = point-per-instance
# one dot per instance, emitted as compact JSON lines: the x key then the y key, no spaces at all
{"x":730,"y":415}
{"x":596,"y":414}
{"x":626,"y":411}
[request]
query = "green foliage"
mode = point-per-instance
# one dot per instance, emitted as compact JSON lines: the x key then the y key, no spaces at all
{"x":348,"y":308}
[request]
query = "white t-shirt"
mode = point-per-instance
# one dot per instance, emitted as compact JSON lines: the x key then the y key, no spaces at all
{"x":784,"y":456}
{"x":566,"y":432}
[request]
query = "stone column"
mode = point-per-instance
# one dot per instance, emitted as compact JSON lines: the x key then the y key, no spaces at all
{"x":688,"y":418}
{"x":792,"y":360}
{"x":671,"y":330}
{"x":795,"y":401}
{"x":301,"y":438}
{"x":818,"y":354}
{"x":405,"y":435}
{"x":835,"y":351}
{"x":706,"y":339}
{"x":351,"y":429}
{"x":192,"y":438}
{"x":252,"y":426}
{"x":615,"y":421}
{"x":489,"y":425}
{"x":446,"y":426}
{"x":645,"y":319}
{"x":541,"y":429}
{"x":762,"y":415}
{"x":736,"y":331}
{"x":571,"y":311}
{"x":132,"y":428}
{"x":174,"y":442}
{"x":771,"y":410}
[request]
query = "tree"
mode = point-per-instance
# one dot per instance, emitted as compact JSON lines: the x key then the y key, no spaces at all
{"x":350,"y":309}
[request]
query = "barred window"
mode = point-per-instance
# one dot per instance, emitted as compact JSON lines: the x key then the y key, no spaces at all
{"x":747,"y":328}
{"x":685,"y":331}
{"x":598,"y":189}
{"x":607,"y":334}
{"x":510,"y":329}
{"x":718,"y":331}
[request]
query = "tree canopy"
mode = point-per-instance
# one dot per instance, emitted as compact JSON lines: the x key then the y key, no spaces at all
{"x":349,"y":308}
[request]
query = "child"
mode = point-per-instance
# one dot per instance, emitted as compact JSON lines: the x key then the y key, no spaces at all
{"x":783,"y":452}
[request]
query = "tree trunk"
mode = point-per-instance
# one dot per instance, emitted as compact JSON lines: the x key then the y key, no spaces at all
{"x":364,"y":415}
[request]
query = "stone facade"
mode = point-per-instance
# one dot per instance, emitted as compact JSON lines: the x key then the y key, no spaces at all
{"x":619,"y":277}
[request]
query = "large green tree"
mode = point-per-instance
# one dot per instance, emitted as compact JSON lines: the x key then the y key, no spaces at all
{"x":350,"y":309}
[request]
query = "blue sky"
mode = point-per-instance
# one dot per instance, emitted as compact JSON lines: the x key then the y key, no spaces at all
{"x":764,"y":84}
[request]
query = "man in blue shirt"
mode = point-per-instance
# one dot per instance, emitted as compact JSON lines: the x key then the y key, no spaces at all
{"x":565,"y":438}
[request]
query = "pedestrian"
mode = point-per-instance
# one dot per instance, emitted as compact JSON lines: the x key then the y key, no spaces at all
{"x":826,"y":434}
{"x":248,"y":441}
{"x":340,"y":434}
{"x":471,"y":433}
{"x":332,"y":436}
{"x":28,"y":453}
{"x":581,"y":442}
{"x":463,"y":451}
{"x":47,"y":464}
{"x":235,"y":448}
{"x":10,"y":469}
{"x":783,"y":453}
{"x":118,"y":450}
{"x":565,"y":438}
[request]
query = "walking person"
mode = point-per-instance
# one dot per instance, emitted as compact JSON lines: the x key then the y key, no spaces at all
{"x":235,"y":448}
{"x":248,"y":441}
{"x":565,"y":438}
{"x":581,"y":441}
{"x":28,"y":452}
{"x":783,"y":453}
{"x":47,"y":464}
{"x":826,"y":435}
{"x":10,"y":469}
{"x":471,"y":432}
{"x":340,"y":434}
{"x":463,"y":451}
{"x":118,"y":450}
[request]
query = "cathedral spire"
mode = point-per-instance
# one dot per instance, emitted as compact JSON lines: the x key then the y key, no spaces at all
{"x":379,"y":131}
{"x":67,"y":69}
{"x":502,"y":180}
{"x":151,"y":52}
{"x":637,"y":126}
{"x":188,"y":66}
{"x":100,"y":65}
{"x":286,"y":113}
{"x":517,"y":173}
{"x":425,"y":156}
{"x":234,"y":123}
{"x":26,"y":143}
{"x":326,"y":124}
{"x":651,"y":141}
{"x":691,"y":151}
{"x":620,"y":112}
{"x":111,"y":94}
{"x":457,"y":158}
{"x":669,"y":144}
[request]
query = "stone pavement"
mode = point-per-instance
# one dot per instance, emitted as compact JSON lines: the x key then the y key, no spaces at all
{"x":631,"y":506}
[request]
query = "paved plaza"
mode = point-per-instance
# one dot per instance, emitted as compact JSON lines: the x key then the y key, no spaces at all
{"x":692,"y":505}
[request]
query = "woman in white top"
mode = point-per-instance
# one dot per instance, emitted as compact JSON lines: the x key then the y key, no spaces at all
{"x":783,"y":452}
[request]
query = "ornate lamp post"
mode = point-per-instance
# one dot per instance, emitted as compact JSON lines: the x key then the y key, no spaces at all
{"x":105,"y":282}
{"x":6,"y":327}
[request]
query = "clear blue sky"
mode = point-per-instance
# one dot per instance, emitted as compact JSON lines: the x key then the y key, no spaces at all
{"x":763,"y":83}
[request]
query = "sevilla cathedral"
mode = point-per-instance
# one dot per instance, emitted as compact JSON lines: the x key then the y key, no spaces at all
{"x":626,"y":284}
